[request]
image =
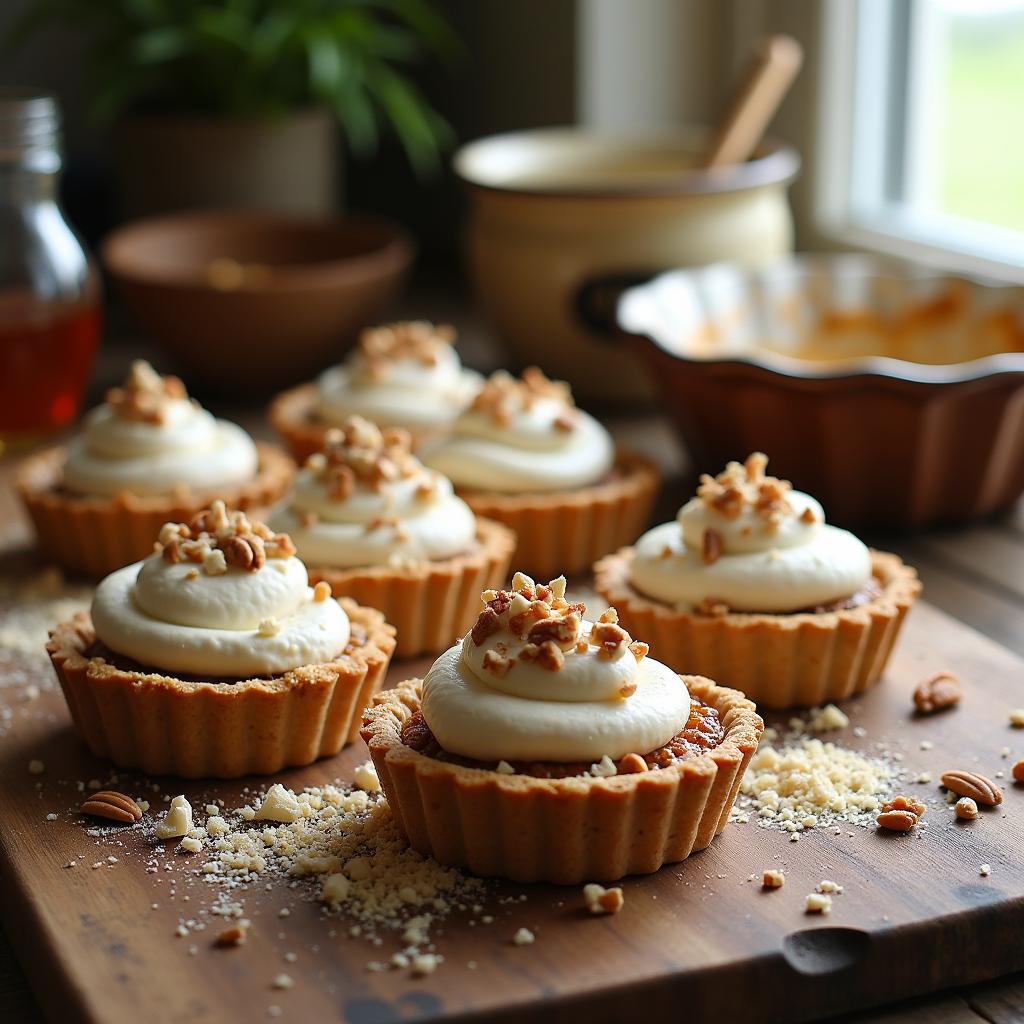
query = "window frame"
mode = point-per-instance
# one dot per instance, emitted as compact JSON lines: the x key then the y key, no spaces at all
{"x":864,"y":172}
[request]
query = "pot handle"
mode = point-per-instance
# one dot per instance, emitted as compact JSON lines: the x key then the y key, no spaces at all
{"x":597,"y":299}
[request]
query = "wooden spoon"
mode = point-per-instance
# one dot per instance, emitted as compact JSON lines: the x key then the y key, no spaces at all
{"x":770,"y":74}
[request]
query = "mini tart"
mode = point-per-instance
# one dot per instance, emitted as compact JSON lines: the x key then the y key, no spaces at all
{"x":163,"y":725}
{"x":293,"y":415}
{"x":779,"y":660}
{"x":565,"y":531}
{"x":95,"y":535}
{"x":570,"y":830}
{"x":432,"y":603}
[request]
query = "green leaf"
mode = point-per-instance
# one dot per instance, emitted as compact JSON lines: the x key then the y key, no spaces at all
{"x":159,"y":45}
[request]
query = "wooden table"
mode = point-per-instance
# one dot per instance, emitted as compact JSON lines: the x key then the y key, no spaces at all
{"x":975,"y":574}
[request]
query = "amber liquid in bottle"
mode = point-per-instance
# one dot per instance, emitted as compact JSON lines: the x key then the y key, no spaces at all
{"x":46,"y":356}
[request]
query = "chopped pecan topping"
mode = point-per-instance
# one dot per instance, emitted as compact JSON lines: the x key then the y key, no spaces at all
{"x":562,"y":631}
{"x":904,"y":803}
{"x":711,"y":546}
{"x":610,"y":638}
{"x":608,"y":615}
{"x":416,"y":340}
{"x":487,"y":623}
{"x":937,"y":692}
{"x":979,"y":788}
{"x":145,"y":395}
{"x":740,"y":486}
{"x":502,"y":397}
{"x":360,"y":452}
{"x":321,"y":591}
{"x":496,"y":664}
{"x":244,"y":552}
{"x":808,"y":516}
{"x":639,"y":649}
{"x":550,"y":656}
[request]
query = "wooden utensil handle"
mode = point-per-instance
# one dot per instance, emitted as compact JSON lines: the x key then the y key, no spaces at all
{"x":768,"y":80}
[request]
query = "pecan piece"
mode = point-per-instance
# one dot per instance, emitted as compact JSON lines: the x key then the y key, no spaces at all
{"x":1018,"y":771}
{"x":631,"y":764}
{"x":711,"y":546}
{"x":966,"y":809}
{"x":897,"y":821}
{"x":487,"y":623}
{"x":609,"y":637}
{"x":562,"y":631}
{"x":905,"y":803}
{"x":246,"y":552}
{"x":550,"y":656}
{"x":112,"y":806}
{"x":937,"y":692}
{"x":980,"y":789}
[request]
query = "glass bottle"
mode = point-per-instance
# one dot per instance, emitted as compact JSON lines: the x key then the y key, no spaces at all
{"x":49,"y":288}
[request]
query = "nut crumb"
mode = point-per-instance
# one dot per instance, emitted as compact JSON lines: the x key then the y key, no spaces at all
{"x":773,"y":878}
{"x":523,"y":937}
{"x":599,"y":900}
{"x":818,"y":903}
{"x":966,"y":809}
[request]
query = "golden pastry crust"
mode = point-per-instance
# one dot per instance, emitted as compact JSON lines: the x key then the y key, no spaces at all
{"x":95,"y":535}
{"x":432,"y":603}
{"x":566,"y":831}
{"x":565,"y":531}
{"x":781,"y":661}
{"x":164,"y":725}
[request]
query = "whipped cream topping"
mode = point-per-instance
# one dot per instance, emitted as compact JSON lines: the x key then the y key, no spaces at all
{"x":535,"y":680}
{"x":149,"y":438}
{"x":222,"y":596}
{"x":404,"y":374}
{"x":366,"y":500}
{"x":749,"y":542}
{"x":524,"y":435}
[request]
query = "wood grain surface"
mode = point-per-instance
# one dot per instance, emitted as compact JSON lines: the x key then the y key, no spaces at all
{"x":915,"y":913}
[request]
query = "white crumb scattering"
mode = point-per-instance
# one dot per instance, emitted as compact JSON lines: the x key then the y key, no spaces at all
{"x":504,"y":768}
{"x":923,"y":777}
{"x":1017,"y":718}
{"x":772,"y":878}
{"x":827,"y":719}
{"x":31,"y":692}
{"x":279,"y":805}
{"x":181,"y":931}
{"x":283,"y":981}
{"x":523,"y":937}
{"x":829,"y":887}
{"x":818,"y":903}
{"x":190,"y":845}
{"x":795,"y":783}
{"x":178,"y":820}
{"x":212,"y":809}
{"x":36,"y":767}
{"x":143,"y":805}
{"x":274,"y":1011}
{"x":425,"y":963}
{"x":51,"y":817}
{"x":794,"y":838}
{"x":216,"y":825}
{"x":283,"y":912}
{"x":365,"y":777}
{"x":247,"y":813}
{"x":926,"y":745}
{"x":985,"y":870}
{"x":604,"y":769}
{"x":1005,"y":752}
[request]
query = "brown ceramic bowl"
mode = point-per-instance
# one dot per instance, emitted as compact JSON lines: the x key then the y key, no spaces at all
{"x":893,"y":395}
{"x":256,"y":301}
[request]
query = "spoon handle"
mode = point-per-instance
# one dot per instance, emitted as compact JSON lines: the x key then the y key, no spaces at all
{"x":766,"y":83}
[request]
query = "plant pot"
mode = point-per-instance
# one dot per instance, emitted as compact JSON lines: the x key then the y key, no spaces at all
{"x":287,"y":164}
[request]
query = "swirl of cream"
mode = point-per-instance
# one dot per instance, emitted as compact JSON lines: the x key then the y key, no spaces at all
{"x":523,"y":436}
{"x":149,"y":439}
{"x":487,"y":701}
{"x":413,"y":380}
{"x":365,"y":500}
{"x":235,"y":624}
{"x":750,"y":549}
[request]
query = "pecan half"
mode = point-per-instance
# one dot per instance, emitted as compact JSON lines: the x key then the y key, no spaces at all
{"x":897,"y":821}
{"x":711,"y":546}
{"x":937,"y":692}
{"x":245,"y":552}
{"x":112,"y":806}
{"x":980,"y":789}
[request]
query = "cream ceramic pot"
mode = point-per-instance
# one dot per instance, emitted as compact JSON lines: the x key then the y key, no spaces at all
{"x":562,"y":219}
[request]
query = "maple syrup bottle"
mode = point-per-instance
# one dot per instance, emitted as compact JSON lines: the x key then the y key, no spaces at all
{"x":49,"y":288}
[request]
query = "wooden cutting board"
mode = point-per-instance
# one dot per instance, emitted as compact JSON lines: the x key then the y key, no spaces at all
{"x":916,"y":914}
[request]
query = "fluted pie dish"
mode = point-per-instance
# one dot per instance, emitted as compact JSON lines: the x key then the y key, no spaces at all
{"x":373,"y":523}
{"x":405,"y":374}
{"x":149,"y":455}
{"x":546,"y":747}
{"x":214,"y":658}
{"x":522,"y":454}
{"x":751,"y":586}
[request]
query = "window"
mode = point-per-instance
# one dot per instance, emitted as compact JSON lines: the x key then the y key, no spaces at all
{"x":923,"y":130}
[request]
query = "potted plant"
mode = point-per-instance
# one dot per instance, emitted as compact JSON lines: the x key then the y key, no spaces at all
{"x":218,"y":103}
